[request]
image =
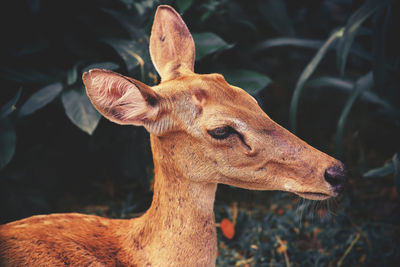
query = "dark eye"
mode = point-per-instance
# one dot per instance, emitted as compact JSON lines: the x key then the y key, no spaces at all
{"x":221,"y":132}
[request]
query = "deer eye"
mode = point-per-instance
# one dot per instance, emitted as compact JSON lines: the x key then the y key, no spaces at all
{"x":221,"y":132}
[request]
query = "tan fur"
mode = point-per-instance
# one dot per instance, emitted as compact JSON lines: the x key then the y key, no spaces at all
{"x":179,"y":227}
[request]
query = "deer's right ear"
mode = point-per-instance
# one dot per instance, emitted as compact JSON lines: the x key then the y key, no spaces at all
{"x":172,"y":47}
{"x":121,"y":99}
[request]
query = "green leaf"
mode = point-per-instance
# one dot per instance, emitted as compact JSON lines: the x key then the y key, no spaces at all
{"x":40,"y":99}
{"x":143,"y":6}
{"x":32,"y":47}
{"x":348,"y":86}
{"x":332,"y":82}
{"x":307,"y":72}
{"x":396,"y":174}
{"x":80,"y":110}
{"x":9,"y":107}
{"x":380,"y":26}
{"x":7,"y":142}
{"x":27,"y":76}
{"x":312,"y":44}
{"x":72,"y":75}
{"x":274,"y":11}
{"x":102,"y":65}
{"x":288,"y":41}
{"x":352,"y":27}
{"x":385,"y":170}
{"x":183,"y":5}
{"x":208,"y":43}
{"x":131,"y":52}
{"x":391,"y":167}
{"x":34,"y":6}
{"x":363,"y":84}
{"x":206,"y":15}
{"x":250,"y":81}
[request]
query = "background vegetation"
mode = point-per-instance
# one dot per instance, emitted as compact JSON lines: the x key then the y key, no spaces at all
{"x":328,"y":70}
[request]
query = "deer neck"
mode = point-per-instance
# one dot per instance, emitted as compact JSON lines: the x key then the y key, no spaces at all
{"x":180,"y":221}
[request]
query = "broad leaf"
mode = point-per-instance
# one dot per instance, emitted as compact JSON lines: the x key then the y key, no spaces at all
{"x":143,"y":6}
{"x":331,"y":82}
{"x":305,"y":75}
{"x":368,"y":95}
{"x":80,"y":110}
{"x":27,"y":76}
{"x":40,"y":99}
{"x":132,"y":53}
{"x":352,"y":27}
{"x":7,"y":142}
{"x":208,"y":43}
{"x":102,"y":65}
{"x":385,"y":170}
{"x":31,"y":47}
{"x":357,"y":50}
{"x":72,"y":74}
{"x":363,"y":84}
{"x":380,"y":26}
{"x":274,"y":11}
{"x":183,"y":5}
{"x":250,"y":81}
{"x":34,"y":6}
{"x":288,"y":41}
{"x":390,"y":167}
{"x":10,"y":106}
{"x":396,"y":164}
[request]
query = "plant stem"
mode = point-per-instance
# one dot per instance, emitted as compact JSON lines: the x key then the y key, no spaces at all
{"x":340,"y":262}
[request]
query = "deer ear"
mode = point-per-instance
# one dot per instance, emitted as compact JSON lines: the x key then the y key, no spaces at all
{"x":121,"y":99}
{"x":172,"y":47}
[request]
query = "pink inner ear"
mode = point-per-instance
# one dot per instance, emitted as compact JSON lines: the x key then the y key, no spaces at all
{"x":109,"y":91}
{"x":117,"y":98}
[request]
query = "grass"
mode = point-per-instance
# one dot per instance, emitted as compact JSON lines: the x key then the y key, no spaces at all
{"x":289,"y":231}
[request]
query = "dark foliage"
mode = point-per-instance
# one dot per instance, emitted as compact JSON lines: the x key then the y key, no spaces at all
{"x":328,"y":70}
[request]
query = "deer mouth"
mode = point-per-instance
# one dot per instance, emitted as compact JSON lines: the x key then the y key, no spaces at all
{"x":313,"y":195}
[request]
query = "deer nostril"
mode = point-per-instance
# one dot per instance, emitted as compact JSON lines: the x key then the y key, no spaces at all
{"x":336,"y":177}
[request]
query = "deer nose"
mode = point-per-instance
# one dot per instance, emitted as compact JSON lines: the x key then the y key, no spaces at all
{"x":336,"y":177}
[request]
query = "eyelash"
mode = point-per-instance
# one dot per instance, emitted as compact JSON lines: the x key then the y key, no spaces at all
{"x":221,"y":133}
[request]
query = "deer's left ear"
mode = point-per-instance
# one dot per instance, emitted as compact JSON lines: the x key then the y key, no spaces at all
{"x":121,"y":99}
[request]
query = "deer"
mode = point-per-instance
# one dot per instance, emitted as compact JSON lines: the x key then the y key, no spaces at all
{"x":203,"y":132}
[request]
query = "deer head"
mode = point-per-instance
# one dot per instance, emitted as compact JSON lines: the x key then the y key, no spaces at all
{"x":207,"y":130}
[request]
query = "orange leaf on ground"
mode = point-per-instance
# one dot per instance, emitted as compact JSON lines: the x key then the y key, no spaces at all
{"x":280,"y":211}
{"x":282,"y":248}
{"x":228,"y":229}
{"x":316,"y":231}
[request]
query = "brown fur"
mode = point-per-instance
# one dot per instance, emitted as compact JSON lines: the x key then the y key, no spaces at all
{"x":179,"y":227}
